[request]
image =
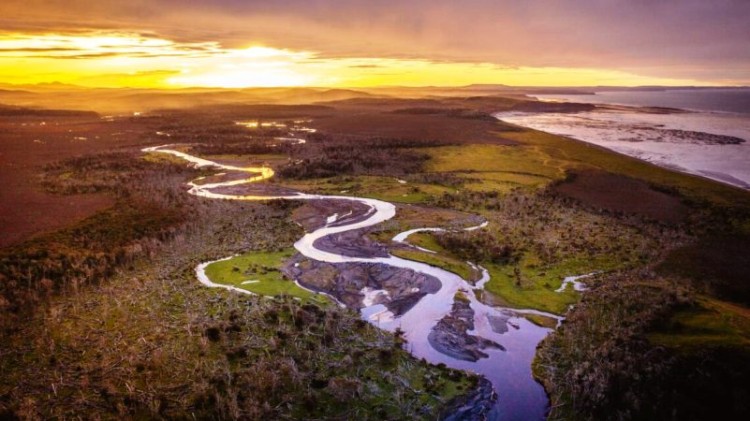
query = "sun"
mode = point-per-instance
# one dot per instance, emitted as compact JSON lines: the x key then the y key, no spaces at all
{"x":256,"y":66}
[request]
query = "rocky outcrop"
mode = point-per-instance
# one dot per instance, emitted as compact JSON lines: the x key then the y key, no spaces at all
{"x":473,"y":406}
{"x":500,"y":323}
{"x":314,"y":214}
{"x":450,"y":335}
{"x":351,"y":243}
{"x":700,"y":138}
{"x":345,"y":282}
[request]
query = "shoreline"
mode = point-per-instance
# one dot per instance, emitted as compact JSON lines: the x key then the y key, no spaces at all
{"x":671,"y":168}
{"x":687,"y":99}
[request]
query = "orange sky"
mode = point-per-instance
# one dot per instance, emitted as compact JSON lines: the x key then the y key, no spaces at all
{"x":233,"y":43}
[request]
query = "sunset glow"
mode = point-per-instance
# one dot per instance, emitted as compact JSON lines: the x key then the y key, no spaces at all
{"x":357,"y":43}
{"x":100,"y":59}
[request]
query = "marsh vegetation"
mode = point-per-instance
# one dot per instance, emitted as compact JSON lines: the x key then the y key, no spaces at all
{"x":104,"y":318}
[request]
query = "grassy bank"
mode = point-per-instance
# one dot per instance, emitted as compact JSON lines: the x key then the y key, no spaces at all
{"x":258,"y":272}
{"x":448,"y":263}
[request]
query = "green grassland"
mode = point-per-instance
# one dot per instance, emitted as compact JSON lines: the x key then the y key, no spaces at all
{"x":375,"y":187}
{"x":538,"y":280}
{"x":162,"y":158}
{"x":425,"y":240}
{"x":497,"y":167}
{"x":709,"y":322}
{"x":571,"y":154}
{"x":540,"y":158}
{"x":448,"y":263}
{"x":535,"y":286}
{"x":530,"y":283}
{"x":261,"y":268}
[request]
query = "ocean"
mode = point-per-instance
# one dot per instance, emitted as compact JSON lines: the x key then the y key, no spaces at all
{"x":710,"y":137}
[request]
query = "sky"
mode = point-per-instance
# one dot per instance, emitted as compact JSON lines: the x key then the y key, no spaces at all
{"x":359,"y":43}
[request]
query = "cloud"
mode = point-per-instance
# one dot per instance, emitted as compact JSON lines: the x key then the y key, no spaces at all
{"x":98,"y":44}
{"x":365,"y":66}
{"x":666,"y":38}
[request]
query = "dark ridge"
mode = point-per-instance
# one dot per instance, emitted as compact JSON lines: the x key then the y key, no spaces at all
{"x":11,"y":111}
{"x":552,"y":107}
{"x":448,"y":112}
{"x":255,"y":110}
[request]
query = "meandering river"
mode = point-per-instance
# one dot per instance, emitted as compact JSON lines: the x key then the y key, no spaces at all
{"x":520,"y":397}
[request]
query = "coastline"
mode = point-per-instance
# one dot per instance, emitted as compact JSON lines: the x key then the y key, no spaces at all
{"x":662,"y":159}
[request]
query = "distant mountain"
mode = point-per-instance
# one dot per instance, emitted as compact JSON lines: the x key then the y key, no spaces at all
{"x":484,"y":86}
{"x":127,"y":100}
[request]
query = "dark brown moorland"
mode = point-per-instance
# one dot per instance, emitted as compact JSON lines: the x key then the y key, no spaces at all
{"x":29,"y":142}
{"x":618,"y":193}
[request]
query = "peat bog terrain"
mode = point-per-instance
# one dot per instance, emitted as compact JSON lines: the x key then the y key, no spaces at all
{"x":354,"y":310}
